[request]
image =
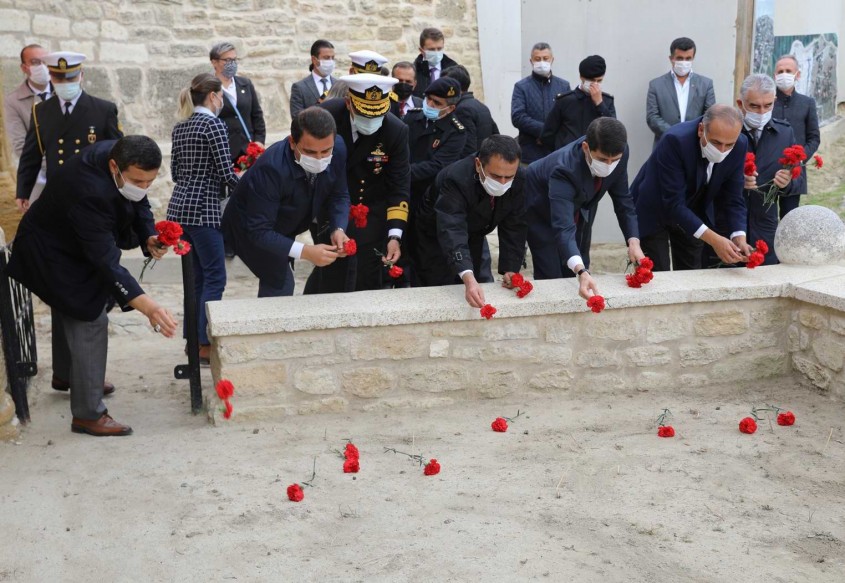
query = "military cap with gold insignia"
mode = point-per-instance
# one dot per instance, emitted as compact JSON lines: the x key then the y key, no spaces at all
{"x":367,"y":61}
{"x":369,"y":93}
{"x":64,"y":64}
{"x":445,"y":87}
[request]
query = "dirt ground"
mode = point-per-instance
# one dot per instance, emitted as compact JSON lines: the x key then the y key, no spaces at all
{"x":579,"y":489}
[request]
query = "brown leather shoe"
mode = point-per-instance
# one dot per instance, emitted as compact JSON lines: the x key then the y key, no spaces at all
{"x":62,"y":385}
{"x":205,"y":354}
{"x":102,"y":427}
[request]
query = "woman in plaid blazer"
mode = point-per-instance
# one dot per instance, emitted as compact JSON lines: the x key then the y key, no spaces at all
{"x":201,"y":164}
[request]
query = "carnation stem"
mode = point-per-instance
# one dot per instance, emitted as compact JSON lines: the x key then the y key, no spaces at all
{"x":418,"y":458}
{"x":661,"y":420}
{"x":512,"y":419}
{"x":313,"y":474}
{"x":829,"y":435}
{"x":147,"y":262}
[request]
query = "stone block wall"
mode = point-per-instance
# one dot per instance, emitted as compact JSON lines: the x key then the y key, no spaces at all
{"x":816,"y":342}
{"x":141,"y":54}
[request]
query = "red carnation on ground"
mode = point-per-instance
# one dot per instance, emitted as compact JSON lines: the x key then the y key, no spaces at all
{"x":295,"y":493}
{"x":756,"y":259}
{"x":642,"y":273}
{"x":596,"y":304}
{"x":787,"y":418}
{"x":665,"y":431}
{"x":351,"y":452}
{"x":526,"y":288}
{"x":225,"y":389}
{"x":499,"y":425}
{"x":358,"y":214}
{"x":432,"y":468}
{"x":395,"y":271}
{"x":487,"y":311}
{"x":351,"y":466}
{"x":350,"y":247}
{"x":748,"y":425}
{"x":750,"y":164}
{"x":818,"y":160}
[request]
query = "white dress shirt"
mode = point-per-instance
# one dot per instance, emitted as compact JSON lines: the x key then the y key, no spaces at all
{"x":318,"y":82}
{"x":682,"y":91}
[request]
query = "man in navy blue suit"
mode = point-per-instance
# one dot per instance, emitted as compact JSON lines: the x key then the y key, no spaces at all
{"x":563,"y":191}
{"x":690,"y":188}
{"x":292,"y":184}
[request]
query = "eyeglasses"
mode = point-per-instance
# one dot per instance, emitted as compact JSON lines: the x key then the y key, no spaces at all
{"x":229,"y":61}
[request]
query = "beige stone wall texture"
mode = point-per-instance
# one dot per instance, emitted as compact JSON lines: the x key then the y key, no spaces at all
{"x":141,"y":54}
{"x":426,"y":365}
{"x":816,"y":342}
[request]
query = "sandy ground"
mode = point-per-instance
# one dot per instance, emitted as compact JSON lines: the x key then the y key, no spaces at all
{"x":579,"y":489}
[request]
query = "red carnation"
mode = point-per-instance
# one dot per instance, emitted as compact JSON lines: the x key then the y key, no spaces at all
{"x":358,"y":213}
{"x":295,"y":493}
{"x":796,"y":172}
{"x":350,"y":247}
{"x":351,"y":452}
{"x":755,"y":260}
{"x":351,"y":466}
{"x":748,"y":425}
{"x":761,"y":246}
{"x":596,"y":303}
{"x":487,"y":311}
{"x":432,"y":468}
{"x":524,"y":289}
{"x":787,"y":418}
{"x":500,"y":425}
{"x":225,"y":389}
{"x":517,"y":280}
{"x":227,"y":413}
{"x":750,"y":164}
{"x":168,"y":232}
{"x":395,"y":271}
{"x":643,"y":275}
{"x":818,"y":160}
{"x":182,"y":247}
{"x":646,"y":263}
{"x":632,"y":281}
{"x":665,"y":431}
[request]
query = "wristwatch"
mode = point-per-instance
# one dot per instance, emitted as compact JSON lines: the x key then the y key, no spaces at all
{"x":579,"y":272}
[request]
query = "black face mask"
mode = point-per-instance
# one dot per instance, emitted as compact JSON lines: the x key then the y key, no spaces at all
{"x":403,"y":90}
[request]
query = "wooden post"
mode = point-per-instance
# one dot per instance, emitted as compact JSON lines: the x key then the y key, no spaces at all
{"x":744,"y":42}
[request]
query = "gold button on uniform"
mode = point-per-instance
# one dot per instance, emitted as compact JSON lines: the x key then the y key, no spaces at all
{"x":61,"y":141}
{"x":61,"y":152}
{"x":61,"y":162}
{"x":76,"y":151}
{"x":77,"y":140}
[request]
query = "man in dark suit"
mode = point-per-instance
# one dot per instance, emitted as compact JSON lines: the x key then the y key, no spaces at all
{"x":563,"y":191}
{"x":65,"y":253}
{"x":314,"y":88}
{"x":431,"y":61}
{"x":800,"y":111}
{"x":241,"y":108}
{"x":474,"y":115}
{"x":467,"y":201}
{"x":61,"y":128}
{"x":378,"y":175}
{"x":576,"y":109}
{"x":292,"y":185}
{"x":767,"y":139}
{"x":402,"y":99}
{"x":680,"y":94}
{"x":690,"y":188}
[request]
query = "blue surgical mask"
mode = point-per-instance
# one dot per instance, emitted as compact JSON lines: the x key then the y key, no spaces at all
{"x":367,"y":125}
{"x":430,"y":113}
{"x":68,"y":91}
{"x":434,"y":58}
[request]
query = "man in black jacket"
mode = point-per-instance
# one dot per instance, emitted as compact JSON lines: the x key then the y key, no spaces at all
{"x":379,"y":179}
{"x":576,"y":109}
{"x":65,"y":253}
{"x":467,"y":201}
{"x":431,"y":61}
{"x":475,"y":116}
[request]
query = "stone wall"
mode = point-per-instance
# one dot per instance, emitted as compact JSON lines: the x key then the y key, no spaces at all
{"x":142,"y":53}
{"x":426,"y":348}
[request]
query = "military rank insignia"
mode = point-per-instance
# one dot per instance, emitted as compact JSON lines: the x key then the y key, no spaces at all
{"x":435,"y":144}
{"x":92,"y":135}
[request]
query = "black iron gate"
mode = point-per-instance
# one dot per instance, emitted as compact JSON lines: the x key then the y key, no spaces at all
{"x":18,"y":325}
{"x":191,"y":371}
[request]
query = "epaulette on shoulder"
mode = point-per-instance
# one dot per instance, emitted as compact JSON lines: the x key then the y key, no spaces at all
{"x":457,"y":124}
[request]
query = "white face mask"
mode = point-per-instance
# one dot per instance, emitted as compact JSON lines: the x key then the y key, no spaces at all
{"x":542,"y":67}
{"x":68,"y":91}
{"x":313,"y":165}
{"x":712,"y":153}
{"x":585,"y":86}
{"x":129,"y":190}
{"x":39,"y":74}
{"x":494,"y":187}
{"x":682,"y":68}
{"x":434,"y":58}
{"x":785,"y":81}
{"x":367,"y":125}
{"x":327,"y":67}
{"x":602,"y":169}
{"x":757,"y":120}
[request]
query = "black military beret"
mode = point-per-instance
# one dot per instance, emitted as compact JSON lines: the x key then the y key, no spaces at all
{"x":445,"y":87}
{"x":592,"y":67}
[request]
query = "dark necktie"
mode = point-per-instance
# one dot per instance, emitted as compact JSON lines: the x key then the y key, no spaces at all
{"x":43,"y":96}
{"x":67,"y":109}
{"x":596,"y":184}
{"x":325,"y":83}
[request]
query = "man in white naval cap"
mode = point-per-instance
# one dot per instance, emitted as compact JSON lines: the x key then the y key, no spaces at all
{"x":366,"y":62}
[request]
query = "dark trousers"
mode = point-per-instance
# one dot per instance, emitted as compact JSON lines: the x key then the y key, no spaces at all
{"x":762,"y":223}
{"x":85,"y":346}
{"x":685,"y":251}
{"x":786,"y":204}
{"x":61,"y":356}
{"x":209,"y":271}
{"x":545,"y":255}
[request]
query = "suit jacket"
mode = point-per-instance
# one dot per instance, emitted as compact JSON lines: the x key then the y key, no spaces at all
{"x":532,"y":101}
{"x":561,"y":185}
{"x":416,"y":102}
{"x":572,"y":113}
{"x":424,"y":72}
{"x":478,"y":121}
{"x":434,"y":145}
{"x":18,"y":113}
{"x":200,"y":163}
{"x":250,"y":110}
{"x":673,"y":176}
{"x":304,"y":93}
{"x":662,"y":109}
{"x":377,"y":167}
{"x":65,"y":250}
{"x":57,"y":140}
{"x":800,"y":111}
{"x":274,"y":202}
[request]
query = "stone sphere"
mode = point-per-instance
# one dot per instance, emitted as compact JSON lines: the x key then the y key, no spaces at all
{"x":810,"y":235}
